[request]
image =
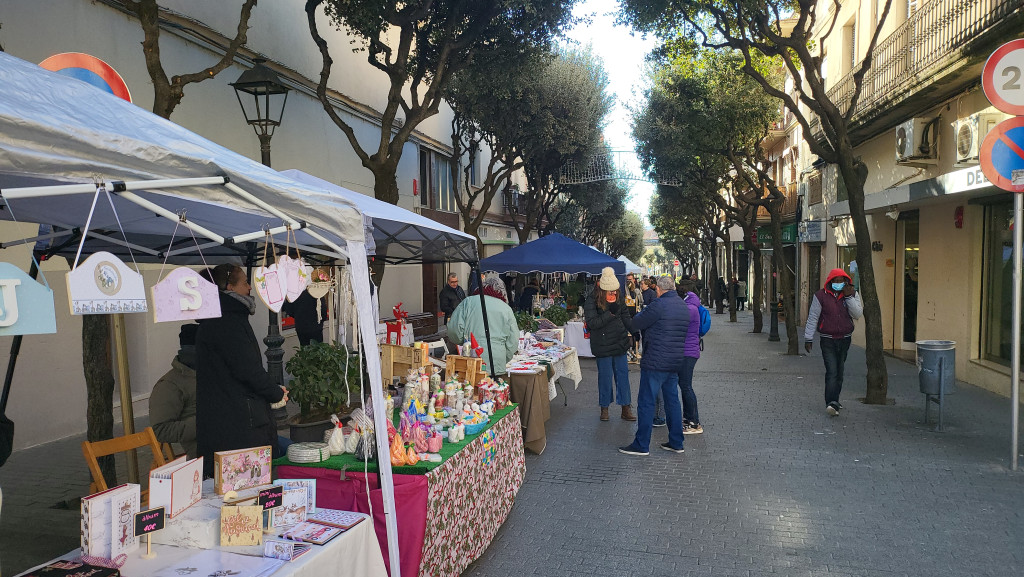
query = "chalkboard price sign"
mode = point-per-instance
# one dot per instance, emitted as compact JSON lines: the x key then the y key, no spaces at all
{"x":149,"y":521}
{"x":271,"y":498}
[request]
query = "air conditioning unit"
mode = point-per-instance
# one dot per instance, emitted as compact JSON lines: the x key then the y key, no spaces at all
{"x":969,"y":132}
{"x":911,"y":147}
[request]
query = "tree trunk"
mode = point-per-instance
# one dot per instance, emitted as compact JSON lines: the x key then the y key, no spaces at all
{"x":785,"y":284}
{"x":385,"y":184}
{"x":757,"y":290}
{"x":729,"y":273}
{"x":854,"y":175}
{"x":713,"y":297}
{"x":97,"y":364}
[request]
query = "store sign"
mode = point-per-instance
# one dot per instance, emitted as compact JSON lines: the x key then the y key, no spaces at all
{"x":789,"y":234}
{"x":183,"y":295}
{"x":26,"y":307}
{"x":104,"y":285}
{"x":963,"y":180}
{"x":811,"y":231}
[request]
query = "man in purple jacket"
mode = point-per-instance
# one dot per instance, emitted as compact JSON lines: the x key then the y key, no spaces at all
{"x":691,"y":352}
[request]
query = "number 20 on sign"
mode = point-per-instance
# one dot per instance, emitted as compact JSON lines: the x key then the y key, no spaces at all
{"x":1003,"y":78}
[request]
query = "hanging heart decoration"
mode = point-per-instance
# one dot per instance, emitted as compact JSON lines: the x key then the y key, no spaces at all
{"x":270,"y":284}
{"x":296,"y":271}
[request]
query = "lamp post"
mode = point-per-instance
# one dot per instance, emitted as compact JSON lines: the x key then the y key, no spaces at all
{"x":262,"y":98}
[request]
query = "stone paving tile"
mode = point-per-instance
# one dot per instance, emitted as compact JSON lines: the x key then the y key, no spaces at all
{"x":774,"y":487}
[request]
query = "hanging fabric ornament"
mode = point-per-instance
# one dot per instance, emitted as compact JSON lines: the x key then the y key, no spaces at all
{"x":320,"y":282}
{"x":270,"y":284}
{"x":295,"y":270}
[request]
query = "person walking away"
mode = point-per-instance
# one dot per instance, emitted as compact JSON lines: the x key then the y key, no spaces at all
{"x":308,"y":325}
{"x":525,"y":302}
{"x":741,"y":295}
{"x":691,"y":353}
{"x":721,"y":295}
{"x":450,"y":297}
{"x":833,"y":310}
{"x":666,"y":322}
{"x":233,"y":390}
{"x":468,"y":318}
{"x":172,"y":403}
{"x":610,"y":326}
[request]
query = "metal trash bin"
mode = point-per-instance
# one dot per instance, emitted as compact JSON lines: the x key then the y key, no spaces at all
{"x":935,"y":366}
{"x":936,"y":362}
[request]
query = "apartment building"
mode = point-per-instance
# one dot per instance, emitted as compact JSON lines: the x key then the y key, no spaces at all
{"x":940,"y":231}
{"x":193,"y":36}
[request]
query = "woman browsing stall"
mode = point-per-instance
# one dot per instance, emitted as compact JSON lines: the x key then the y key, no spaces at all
{"x":468,"y":319}
{"x":610,"y":326}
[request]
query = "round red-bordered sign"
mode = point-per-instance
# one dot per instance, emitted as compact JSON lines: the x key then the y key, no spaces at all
{"x":1002,"y":154}
{"x":90,"y":70}
{"x":1003,"y":77}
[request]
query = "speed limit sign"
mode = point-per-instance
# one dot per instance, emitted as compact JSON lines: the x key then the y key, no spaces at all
{"x":1003,"y":78}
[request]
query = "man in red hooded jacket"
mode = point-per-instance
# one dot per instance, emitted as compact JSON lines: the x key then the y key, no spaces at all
{"x":833,"y":310}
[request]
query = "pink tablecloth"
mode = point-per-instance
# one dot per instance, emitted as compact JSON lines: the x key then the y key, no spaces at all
{"x":436,"y":536}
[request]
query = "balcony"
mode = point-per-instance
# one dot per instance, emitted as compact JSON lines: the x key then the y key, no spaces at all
{"x":937,"y":53}
{"x":789,"y":205}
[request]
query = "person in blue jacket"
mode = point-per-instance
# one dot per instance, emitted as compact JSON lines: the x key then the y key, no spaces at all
{"x":665,"y":322}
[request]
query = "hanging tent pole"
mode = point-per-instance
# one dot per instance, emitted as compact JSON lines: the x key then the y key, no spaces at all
{"x":360,"y":271}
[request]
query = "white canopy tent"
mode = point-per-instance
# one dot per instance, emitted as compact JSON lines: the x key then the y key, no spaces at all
{"x":60,"y":139}
{"x":631,"y":267}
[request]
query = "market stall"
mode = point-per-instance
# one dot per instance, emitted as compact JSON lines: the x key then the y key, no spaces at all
{"x":104,"y":175}
{"x":448,"y":512}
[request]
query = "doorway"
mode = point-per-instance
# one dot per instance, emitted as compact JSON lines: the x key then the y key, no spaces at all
{"x":911,"y":232}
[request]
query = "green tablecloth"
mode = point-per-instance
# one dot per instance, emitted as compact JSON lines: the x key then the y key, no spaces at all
{"x":350,"y":463}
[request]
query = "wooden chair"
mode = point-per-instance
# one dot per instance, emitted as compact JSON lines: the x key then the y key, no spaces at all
{"x":92,"y":451}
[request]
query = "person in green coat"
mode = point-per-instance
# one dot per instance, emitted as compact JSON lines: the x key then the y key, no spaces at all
{"x":468,"y":318}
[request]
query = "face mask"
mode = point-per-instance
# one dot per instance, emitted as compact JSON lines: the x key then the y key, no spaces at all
{"x":611,"y":297}
{"x":838,"y":286}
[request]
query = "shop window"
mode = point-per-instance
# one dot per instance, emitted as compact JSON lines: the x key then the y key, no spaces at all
{"x":998,"y":289}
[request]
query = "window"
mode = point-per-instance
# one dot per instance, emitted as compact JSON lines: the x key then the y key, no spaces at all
{"x":849,"y":46}
{"x":998,"y":287}
{"x":848,"y":256}
{"x":436,"y":188}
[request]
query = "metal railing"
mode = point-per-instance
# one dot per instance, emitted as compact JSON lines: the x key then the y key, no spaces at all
{"x":934,"y":33}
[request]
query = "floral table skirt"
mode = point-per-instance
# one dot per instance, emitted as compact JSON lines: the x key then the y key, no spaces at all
{"x":447,"y":517}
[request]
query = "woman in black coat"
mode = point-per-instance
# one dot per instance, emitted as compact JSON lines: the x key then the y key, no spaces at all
{"x":609,"y":325}
{"x":233,"y":391}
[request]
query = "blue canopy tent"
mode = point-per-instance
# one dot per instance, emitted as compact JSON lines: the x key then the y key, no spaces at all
{"x":550,"y":254}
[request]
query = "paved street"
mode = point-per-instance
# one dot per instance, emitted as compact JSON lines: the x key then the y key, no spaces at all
{"x":773,"y":487}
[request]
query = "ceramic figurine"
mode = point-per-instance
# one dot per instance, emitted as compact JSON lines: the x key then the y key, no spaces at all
{"x":435,"y":380}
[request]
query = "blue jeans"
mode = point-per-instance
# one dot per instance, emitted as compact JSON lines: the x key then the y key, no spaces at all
{"x":651,"y":382}
{"x":689,"y":397}
{"x":607,"y":369}
{"x":834,"y":351}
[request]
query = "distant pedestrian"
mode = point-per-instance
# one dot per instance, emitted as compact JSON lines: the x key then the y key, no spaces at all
{"x":666,"y":322}
{"x":610,"y":325}
{"x":634,"y":302}
{"x":741,"y":295}
{"x":721,"y":295}
{"x":833,"y":310}
{"x":450,"y":297}
{"x":647,"y":289}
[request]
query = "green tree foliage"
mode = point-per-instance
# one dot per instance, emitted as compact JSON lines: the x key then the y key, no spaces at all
{"x":791,"y":31}
{"x":625,"y":237}
{"x":418,"y":46}
{"x":586,"y":209}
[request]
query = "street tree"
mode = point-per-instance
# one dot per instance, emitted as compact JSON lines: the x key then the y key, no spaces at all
{"x":418,"y":47}
{"x":625,"y":237}
{"x":168,"y":91}
{"x":569,"y":100}
{"x":586,"y":209}
{"x":793,"y":32}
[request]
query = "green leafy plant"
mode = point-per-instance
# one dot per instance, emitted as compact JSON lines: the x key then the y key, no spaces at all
{"x":526,"y":321}
{"x":322,"y":376}
{"x":557,"y":315}
{"x":573,"y":291}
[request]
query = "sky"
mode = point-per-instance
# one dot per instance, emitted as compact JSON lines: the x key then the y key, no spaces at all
{"x":623,"y":54}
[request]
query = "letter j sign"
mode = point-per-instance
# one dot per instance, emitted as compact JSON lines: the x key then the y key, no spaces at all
{"x":26,"y":307}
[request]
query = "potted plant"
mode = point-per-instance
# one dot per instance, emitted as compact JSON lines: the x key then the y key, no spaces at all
{"x":322,"y":378}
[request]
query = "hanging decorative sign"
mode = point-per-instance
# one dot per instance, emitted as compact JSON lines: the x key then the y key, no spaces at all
{"x":320,"y":282}
{"x":296,"y":275}
{"x":270,"y":285}
{"x":183,"y":295}
{"x":26,"y":307}
{"x":105,"y":285}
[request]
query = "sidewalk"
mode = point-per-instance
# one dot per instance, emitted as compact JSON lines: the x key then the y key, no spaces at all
{"x":773,"y":487}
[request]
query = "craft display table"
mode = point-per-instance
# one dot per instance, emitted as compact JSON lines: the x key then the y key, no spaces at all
{"x":447,"y":512}
{"x":355,"y":552}
{"x":574,"y":338}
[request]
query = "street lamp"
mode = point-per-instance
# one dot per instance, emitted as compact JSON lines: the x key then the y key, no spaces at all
{"x":263,"y":102}
{"x":262,"y":98}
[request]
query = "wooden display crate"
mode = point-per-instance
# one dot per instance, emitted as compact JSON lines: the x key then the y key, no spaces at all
{"x":396,"y":361}
{"x":468,"y":368}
